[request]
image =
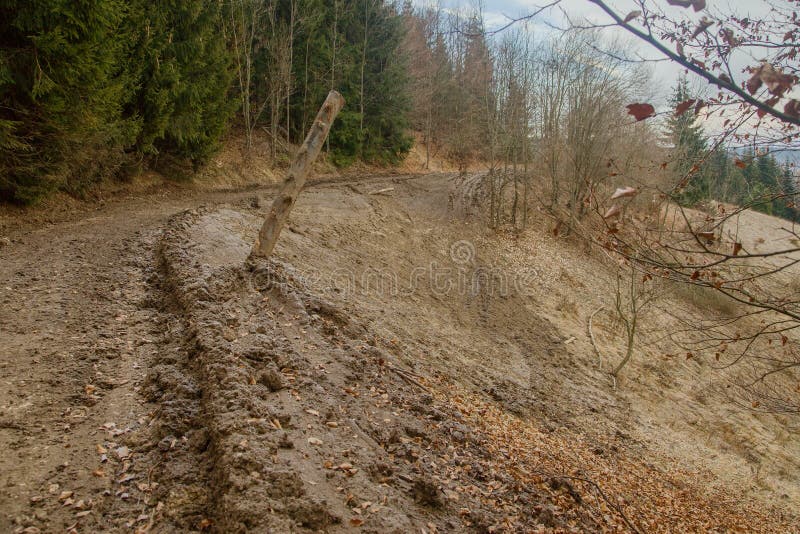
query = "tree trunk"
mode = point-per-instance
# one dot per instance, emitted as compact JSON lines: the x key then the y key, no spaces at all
{"x":289,"y":70}
{"x":363,"y":65}
{"x":333,"y":56}
{"x":428,"y":128}
{"x":296,"y":177}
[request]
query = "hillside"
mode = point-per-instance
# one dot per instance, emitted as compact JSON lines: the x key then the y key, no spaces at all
{"x":395,"y":368}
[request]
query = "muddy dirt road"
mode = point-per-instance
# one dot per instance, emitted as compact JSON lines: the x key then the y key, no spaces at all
{"x":154,"y":381}
{"x":78,"y":330}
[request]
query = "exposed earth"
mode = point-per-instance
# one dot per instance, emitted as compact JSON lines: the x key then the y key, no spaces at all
{"x":393,"y":368}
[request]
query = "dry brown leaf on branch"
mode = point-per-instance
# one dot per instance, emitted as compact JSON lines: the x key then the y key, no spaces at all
{"x":700,"y":105}
{"x":703,"y":25}
{"x":623,"y":192}
{"x":777,"y":82}
{"x":696,"y":4}
{"x":681,"y":108}
{"x":708,"y":236}
{"x":792,"y":108}
{"x":632,"y":15}
{"x":754,"y":83}
{"x":730,"y":38}
{"x":737,"y":247}
{"x":613,"y":211}
{"x":641,"y":111}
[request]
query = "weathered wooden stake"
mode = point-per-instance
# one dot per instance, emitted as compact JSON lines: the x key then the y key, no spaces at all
{"x":296,"y":177}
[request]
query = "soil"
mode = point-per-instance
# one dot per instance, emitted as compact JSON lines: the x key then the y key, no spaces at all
{"x":393,"y":368}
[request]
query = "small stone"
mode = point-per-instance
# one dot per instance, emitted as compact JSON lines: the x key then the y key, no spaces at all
{"x":228,"y":334}
{"x":426,"y":492}
{"x":271,"y":379}
{"x":285,"y":442}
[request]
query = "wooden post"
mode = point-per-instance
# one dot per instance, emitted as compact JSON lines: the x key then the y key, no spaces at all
{"x":296,"y":177}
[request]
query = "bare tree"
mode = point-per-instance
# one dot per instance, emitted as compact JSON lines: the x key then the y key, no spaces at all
{"x":244,"y":26}
{"x":632,"y":296}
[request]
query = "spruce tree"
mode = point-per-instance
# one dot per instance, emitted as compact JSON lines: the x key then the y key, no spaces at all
{"x":63,"y":87}
{"x":689,"y":149}
{"x":185,"y":74}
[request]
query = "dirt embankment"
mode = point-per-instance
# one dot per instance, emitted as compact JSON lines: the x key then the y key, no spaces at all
{"x":393,"y":368}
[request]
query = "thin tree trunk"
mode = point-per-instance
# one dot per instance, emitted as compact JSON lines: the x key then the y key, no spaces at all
{"x":525,"y":181}
{"x":296,"y":177}
{"x":289,"y":72}
{"x":275,"y":119}
{"x":516,"y":192}
{"x":628,"y":352}
{"x":333,"y":56}
{"x":428,"y":134}
{"x":305,"y":86}
{"x":363,"y":64}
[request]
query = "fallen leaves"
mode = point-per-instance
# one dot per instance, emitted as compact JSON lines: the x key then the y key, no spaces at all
{"x":345,"y":467}
{"x":123,"y":452}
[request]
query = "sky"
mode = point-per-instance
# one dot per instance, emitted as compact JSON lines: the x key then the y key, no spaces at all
{"x":497,"y":13}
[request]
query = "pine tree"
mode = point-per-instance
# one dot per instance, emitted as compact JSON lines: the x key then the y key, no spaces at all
{"x":341,"y":50}
{"x":790,"y":193}
{"x":185,"y":72}
{"x":64,"y":87}
{"x":689,"y":149}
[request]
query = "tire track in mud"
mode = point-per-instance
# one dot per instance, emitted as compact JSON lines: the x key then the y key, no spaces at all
{"x":82,"y":330}
{"x":281,"y":413}
{"x":79,"y":328}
